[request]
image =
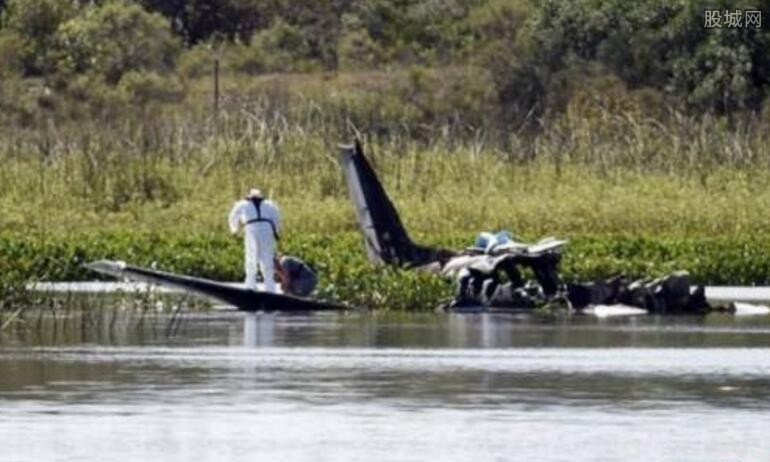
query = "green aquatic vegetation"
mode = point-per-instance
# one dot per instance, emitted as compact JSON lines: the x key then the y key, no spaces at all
{"x":346,"y":275}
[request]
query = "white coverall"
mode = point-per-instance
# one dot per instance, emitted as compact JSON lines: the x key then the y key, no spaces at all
{"x":258,"y":238}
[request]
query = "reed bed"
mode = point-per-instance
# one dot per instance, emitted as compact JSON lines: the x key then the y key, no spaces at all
{"x":178,"y":175}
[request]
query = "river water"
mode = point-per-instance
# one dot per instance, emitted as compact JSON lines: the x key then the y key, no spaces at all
{"x":211,"y":386}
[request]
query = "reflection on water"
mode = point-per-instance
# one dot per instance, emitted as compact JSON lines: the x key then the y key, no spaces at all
{"x":233,"y":386}
{"x":133,"y":327}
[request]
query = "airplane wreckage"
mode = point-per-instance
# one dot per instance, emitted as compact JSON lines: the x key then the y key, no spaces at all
{"x":488,"y":274}
{"x":232,"y":294}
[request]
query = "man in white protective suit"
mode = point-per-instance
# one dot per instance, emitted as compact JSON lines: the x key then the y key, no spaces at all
{"x":261,"y":222}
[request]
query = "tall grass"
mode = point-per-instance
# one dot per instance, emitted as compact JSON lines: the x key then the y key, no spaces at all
{"x":178,"y":168}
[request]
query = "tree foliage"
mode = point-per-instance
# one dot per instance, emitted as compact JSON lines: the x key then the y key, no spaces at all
{"x":35,"y":22}
{"x":197,"y":20}
{"x":539,"y":54}
{"x":279,"y":48}
{"x":116,"y":38}
{"x":659,"y":44}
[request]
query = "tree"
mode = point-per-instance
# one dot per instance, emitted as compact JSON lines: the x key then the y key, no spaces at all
{"x":276,"y":49}
{"x":116,"y":38}
{"x":36,"y":22}
{"x":658,"y":44}
{"x":198,"y":20}
{"x":425,"y":30}
{"x":502,"y":47}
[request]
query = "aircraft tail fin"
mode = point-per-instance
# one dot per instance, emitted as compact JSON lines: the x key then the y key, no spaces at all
{"x":385,"y":237}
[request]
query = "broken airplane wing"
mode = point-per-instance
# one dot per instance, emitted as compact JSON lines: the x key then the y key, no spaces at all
{"x":242,"y":298}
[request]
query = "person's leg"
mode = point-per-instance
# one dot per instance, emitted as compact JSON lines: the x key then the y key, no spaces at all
{"x":250,"y":257}
{"x":266,"y":253}
{"x":268,"y":272}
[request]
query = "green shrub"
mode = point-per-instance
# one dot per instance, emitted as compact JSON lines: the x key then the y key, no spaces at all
{"x":280,"y":48}
{"x":196,"y":62}
{"x":243,"y":58}
{"x":357,"y":50}
{"x":115,"y":38}
{"x":36,"y":22}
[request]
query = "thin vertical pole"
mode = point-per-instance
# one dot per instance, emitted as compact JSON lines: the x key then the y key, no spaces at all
{"x":216,"y":85}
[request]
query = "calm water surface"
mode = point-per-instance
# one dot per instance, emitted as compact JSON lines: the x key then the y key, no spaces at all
{"x":236,"y":387}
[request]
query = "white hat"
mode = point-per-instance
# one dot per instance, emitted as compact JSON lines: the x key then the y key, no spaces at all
{"x":253,"y":192}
